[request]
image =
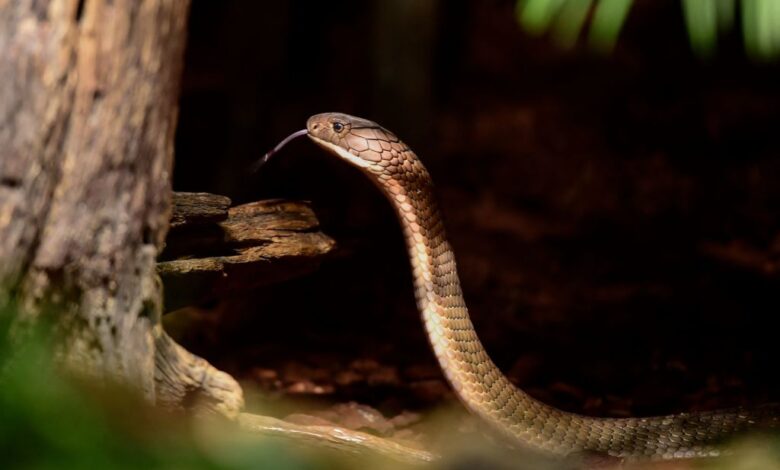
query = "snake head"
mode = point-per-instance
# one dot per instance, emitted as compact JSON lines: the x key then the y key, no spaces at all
{"x":359,"y":141}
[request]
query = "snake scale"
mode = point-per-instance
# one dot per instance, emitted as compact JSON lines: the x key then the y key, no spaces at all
{"x":476,"y":380}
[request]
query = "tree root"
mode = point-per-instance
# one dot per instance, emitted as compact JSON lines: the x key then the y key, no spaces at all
{"x":334,"y":437}
{"x":185,"y":381}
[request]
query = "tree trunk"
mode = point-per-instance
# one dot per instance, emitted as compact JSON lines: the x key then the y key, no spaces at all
{"x":88,"y":107}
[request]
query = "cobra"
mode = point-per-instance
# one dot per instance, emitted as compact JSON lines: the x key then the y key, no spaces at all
{"x":476,"y":380}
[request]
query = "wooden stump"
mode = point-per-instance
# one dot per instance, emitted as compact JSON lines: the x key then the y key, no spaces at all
{"x":88,"y":111}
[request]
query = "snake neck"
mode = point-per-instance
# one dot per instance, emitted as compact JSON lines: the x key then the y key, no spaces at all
{"x":437,"y":286}
{"x":475,"y":378}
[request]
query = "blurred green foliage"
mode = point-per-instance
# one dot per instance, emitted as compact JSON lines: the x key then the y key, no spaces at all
{"x":705,"y":21}
{"x":50,"y":420}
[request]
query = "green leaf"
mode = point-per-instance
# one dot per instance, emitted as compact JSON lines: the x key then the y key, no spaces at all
{"x":704,"y":20}
{"x":701,"y":18}
{"x":570,"y":21}
{"x":608,"y":20}
{"x":536,"y":16}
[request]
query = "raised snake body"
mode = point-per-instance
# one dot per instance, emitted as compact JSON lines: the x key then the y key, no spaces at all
{"x":480,"y":385}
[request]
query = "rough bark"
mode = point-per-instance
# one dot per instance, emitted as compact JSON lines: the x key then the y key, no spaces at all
{"x":196,"y":209}
{"x":213,"y":251}
{"x":88,"y":108}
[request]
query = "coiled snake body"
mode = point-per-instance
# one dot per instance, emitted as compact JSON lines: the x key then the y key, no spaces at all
{"x":480,"y":385}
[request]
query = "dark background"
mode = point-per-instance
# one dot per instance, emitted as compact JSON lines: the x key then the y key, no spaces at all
{"x":615,"y":217}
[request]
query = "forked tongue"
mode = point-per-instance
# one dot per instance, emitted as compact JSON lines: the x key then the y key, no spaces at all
{"x":258,"y":164}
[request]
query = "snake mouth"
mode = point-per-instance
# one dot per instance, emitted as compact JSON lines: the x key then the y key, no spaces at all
{"x":340,"y":152}
{"x":264,"y":159}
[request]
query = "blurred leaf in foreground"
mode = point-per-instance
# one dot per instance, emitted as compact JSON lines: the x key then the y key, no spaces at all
{"x":51,"y":420}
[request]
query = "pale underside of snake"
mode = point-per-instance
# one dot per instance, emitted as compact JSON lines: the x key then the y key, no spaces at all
{"x":476,"y":380}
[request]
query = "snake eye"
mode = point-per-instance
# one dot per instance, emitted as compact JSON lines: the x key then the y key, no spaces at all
{"x":338,"y":127}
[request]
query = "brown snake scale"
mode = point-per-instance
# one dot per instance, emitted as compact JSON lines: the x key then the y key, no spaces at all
{"x":480,"y":385}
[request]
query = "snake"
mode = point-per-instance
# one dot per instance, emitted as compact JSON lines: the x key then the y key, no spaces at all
{"x":476,"y":380}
